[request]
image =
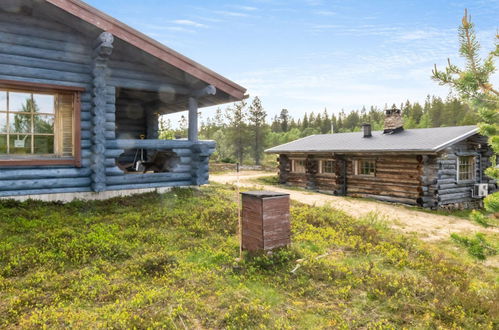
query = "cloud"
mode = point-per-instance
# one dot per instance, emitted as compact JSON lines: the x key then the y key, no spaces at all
{"x":245,"y":8}
{"x":179,"y":29}
{"x":325,"y":12}
{"x":231,"y":13}
{"x":189,"y":23}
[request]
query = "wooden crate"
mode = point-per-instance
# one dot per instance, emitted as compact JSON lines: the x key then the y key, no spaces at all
{"x":265,"y":220}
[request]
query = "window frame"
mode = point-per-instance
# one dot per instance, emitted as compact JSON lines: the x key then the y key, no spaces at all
{"x":357,"y":167}
{"x":40,"y":160}
{"x":293,"y":165}
{"x":321,"y":167}
{"x":472,"y":168}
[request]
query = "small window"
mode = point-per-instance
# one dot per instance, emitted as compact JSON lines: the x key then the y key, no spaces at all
{"x":36,"y":123}
{"x":298,"y":166}
{"x":327,"y":167}
{"x":39,"y":124}
{"x":466,"y":168}
{"x":365,"y":167}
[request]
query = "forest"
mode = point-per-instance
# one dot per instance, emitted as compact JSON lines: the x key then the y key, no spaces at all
{"x":243,"y":130}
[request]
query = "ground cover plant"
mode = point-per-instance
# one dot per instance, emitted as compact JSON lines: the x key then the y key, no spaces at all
{"x":169,"y":261}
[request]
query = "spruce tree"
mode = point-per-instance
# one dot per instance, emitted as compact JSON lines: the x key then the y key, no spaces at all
{"x":237,"y":129}
{"x":256,"y":120}
{"x":472,"y":83}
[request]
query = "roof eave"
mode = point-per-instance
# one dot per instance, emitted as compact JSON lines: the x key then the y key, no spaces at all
{"x":456,"y":140}
{"x":425,"y":151}
{"x":120,"y":30}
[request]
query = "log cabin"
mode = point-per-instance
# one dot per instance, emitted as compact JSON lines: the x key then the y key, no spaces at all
{"x":429,"y":167}
{"x":80,"y":98}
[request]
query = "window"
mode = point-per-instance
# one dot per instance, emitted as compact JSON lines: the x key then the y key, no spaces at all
{"x":327,"y":167}
{"x":298,"y":166}
{"x":466,"y":168}
{"x":38,"y":124}
{"x":365,"y":167}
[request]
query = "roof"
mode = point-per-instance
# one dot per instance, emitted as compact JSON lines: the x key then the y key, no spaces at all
{"x":120,"y":30}
{"x":410,"y":140}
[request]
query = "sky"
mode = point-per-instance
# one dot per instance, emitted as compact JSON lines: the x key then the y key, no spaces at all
{"x":307,"y":55}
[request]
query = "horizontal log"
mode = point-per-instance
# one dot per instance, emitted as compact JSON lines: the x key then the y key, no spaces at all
{"x":43,"y":183}
{"x":41,"y":173}
{"x":450,"y":197}
{"x":110,"y":135}
{"x":11,"y":59}
{"x":408,"y":201}
{"x":454,"y":190}
{"x":149,"y":144}
{"x":38,"y":28}
{"x":54,"y":55}
{"x":353,"y":191}
{"x":110,"y":153}
{"x":148,"y":178}
{"x":114,"y":171}
{"x":109,"y":162}
{"x":42,"y":81}
{"x":37,"y":73}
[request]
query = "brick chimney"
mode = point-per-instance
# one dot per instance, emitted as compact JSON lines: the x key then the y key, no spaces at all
{"x":393,"y":121}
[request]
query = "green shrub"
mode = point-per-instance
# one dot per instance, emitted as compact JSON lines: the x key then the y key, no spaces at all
{"x":479,"y":218}
{"x":477,"y":247}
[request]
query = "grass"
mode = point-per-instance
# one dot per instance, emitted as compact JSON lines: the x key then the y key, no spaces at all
{"x":169,"y":261}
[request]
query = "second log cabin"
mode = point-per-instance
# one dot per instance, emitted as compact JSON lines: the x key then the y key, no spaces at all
{"x":430,"y":167}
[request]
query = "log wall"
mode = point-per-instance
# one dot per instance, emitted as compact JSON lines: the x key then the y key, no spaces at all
{"x":452,"y":193}
{"x":38,"y":50}
{"x":397,"y":179}
{"x":47,"y":46}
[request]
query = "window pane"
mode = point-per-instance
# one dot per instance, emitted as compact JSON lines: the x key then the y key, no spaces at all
{"x":44,"y":124}
{"x":44,"y":103}
{"x":44,"y":144}
{"x":3,"y":101}
{"x":3,"y":122}
{"x":20,"y":102}
{"x":3,"y":144}
{"x":20,"y":144}
{"x":20,"y":123}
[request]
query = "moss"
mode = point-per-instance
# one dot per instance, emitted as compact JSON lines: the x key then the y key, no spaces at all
{"x":168,"y":260}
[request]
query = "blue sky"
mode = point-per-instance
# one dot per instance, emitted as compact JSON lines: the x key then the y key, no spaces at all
{"x":307,"y":55}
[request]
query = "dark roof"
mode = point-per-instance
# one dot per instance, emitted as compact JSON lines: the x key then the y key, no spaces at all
{"x":107,"y":23}
{"x":409,"y":140}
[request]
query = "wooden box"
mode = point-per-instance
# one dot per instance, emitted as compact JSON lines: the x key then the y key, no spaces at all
{"x":265,"y":220}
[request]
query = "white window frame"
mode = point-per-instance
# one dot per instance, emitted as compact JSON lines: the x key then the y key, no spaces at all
{"x":293,"y":165}
{"x":321,"y":167}
{"x":471,"y":168}
{"x":357,"y":165}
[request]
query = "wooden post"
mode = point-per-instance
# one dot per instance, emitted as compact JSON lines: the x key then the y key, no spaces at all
{"x":152,"y":122}
{"x":193,"y":109}
{"x":102,"y":51}
{"x":193,"y":119}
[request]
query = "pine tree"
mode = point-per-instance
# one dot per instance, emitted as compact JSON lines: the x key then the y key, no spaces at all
{"x":256,"y":120}
{"x":284,"y":120}
{"x":472,"y":83}
{"x":237,"y":129}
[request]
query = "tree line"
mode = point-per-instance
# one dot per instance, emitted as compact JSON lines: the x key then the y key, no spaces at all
{"x":243,"y":132}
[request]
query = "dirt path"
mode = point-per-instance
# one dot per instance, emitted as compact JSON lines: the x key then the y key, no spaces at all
{"x":426,"y":226}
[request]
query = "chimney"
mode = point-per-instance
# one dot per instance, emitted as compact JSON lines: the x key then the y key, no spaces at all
{"x":366,"y":128}
{"x":393,"y":121}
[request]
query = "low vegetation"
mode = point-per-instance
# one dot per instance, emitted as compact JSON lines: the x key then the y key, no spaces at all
{"x":169,"y":260}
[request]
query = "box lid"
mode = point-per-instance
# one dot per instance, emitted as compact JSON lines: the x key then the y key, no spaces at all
{"x":263,"y":193}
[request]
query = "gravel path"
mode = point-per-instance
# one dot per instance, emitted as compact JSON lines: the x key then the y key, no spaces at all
{"x":426,"y":226}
